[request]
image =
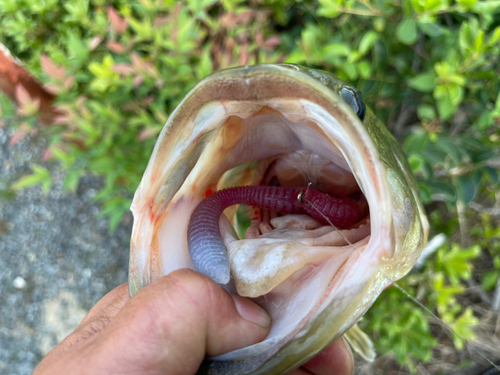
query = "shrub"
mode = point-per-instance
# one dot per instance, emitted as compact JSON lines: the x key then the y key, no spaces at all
{"x":428,"y":68}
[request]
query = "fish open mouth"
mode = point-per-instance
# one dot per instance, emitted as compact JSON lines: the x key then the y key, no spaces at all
{"x":272,"y":126}
{"x":280,"y":252}
{"x":285,"y":262}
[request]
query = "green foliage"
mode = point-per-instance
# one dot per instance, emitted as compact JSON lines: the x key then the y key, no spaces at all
{"x":429,"y":69}
{"x":400,"y":328}
{"x":456,"y":263}
{"x":40,"y":176}
{"x":120,"y":73}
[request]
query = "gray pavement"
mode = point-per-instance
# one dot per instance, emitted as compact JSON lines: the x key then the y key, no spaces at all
{"x":57,"y":258}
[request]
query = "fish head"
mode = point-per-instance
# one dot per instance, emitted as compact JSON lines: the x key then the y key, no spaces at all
{"x":291,"y":126}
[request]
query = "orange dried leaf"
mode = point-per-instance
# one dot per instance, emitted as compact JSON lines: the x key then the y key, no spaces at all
{"x":94,"y":42}
{"x":118,"y":23}
{"x":22,"y":95}
{"x":69,"y":82}
{"x":115,"y":47}
{"x":137,"y":62}
{"x":27,"y":106}
{"x":17,"y":137}
{"x":124,"y":69}
{"x":54,"y":89}
{"x":149,"y":133}
{"x":61,"y":120}
{"x":273,"y":41}
{"x":47,"y":155}
{"x":161,"y":20}
{"x":138,"y":80}
{"x":20,"y":133}
{"x":51,"y":69}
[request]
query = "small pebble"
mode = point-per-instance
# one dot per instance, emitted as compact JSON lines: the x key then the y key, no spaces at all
{"x":87,"y":272}
{"x":19,"y":283}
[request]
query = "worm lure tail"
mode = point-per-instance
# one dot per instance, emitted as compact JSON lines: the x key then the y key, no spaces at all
{"x":205,"y":244}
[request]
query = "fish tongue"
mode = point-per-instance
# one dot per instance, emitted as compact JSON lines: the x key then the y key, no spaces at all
{"x":260,"y":264}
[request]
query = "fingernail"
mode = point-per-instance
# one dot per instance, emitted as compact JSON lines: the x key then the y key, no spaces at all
{"x":252,"y":312}
{"x":349,"y":351}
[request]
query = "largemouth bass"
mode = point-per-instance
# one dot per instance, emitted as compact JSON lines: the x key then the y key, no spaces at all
{"x":287,"y":126}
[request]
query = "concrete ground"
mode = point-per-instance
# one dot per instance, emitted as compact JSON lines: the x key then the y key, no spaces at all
{"x":57,"y":258}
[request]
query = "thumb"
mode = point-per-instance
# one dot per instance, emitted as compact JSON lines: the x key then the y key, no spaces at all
{"x":173,"y":323}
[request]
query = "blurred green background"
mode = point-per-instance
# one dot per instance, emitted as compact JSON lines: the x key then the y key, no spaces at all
{"x":430,"y":70}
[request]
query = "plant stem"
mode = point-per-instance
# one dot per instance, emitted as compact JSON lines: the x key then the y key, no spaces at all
{"x":495,"y":305}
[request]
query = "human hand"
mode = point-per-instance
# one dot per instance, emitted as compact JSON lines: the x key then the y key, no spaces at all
{"x":168,"y":328}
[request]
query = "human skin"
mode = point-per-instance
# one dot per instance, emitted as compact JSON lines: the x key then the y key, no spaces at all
{"x":168,"y":328}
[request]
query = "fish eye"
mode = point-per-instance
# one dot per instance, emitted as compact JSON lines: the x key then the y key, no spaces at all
{"x":352,"y":97}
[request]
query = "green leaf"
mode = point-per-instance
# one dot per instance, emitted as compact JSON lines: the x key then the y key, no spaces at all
{"x":7,"y":108}
{"x":330,"y":8}
{"x":462,"y":326}
{"x":471,"y":143}
{"x":492,"y":175}
{"x":485,"y":121}
{"x":364,"y":69}
{"x":476,"y":177}
{"x":466,"y":3}
{"x":76,"y":48}
{"x":451,"y":149}
{"x":367,"y":42}
{"x":457,"y":261}
{"x":333,"y":50}
{"x":115,"y":208}
{"x":484,"y":155}
{"x":495,"y":37}
{"x":406,"y":32}
{"x":466,"y":189}
{"x":425,"y":193}
{"x":446,"y":107}
{"x":40,"y":176}
{"x":489,"y":280}
{"x":456,"y":94}
{"x":416,"y":163}
{"x":205,"y":65}
{"x":431,"y":29}
{"x":425,"y":82}
{"x":415,"y":142}
{"x":434,"y":156}
{"x":446,"y":190}
{"x":71,"y":180}
{"x":426,"y":112}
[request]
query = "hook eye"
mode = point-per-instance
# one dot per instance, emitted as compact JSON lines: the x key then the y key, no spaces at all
{"x":352,"y":97}
{"x":299,"y":197}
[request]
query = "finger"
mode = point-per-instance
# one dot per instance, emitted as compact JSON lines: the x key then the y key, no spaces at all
{"x":98,"y":317}
{"x":336,"y":359}
{"x":173,"y":323}
{"x":93,"y":323}
{"x":109,"y":305}
{"x":300,"y":371}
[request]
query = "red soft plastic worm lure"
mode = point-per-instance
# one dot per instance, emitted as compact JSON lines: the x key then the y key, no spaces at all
{"x":205,"y":244}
